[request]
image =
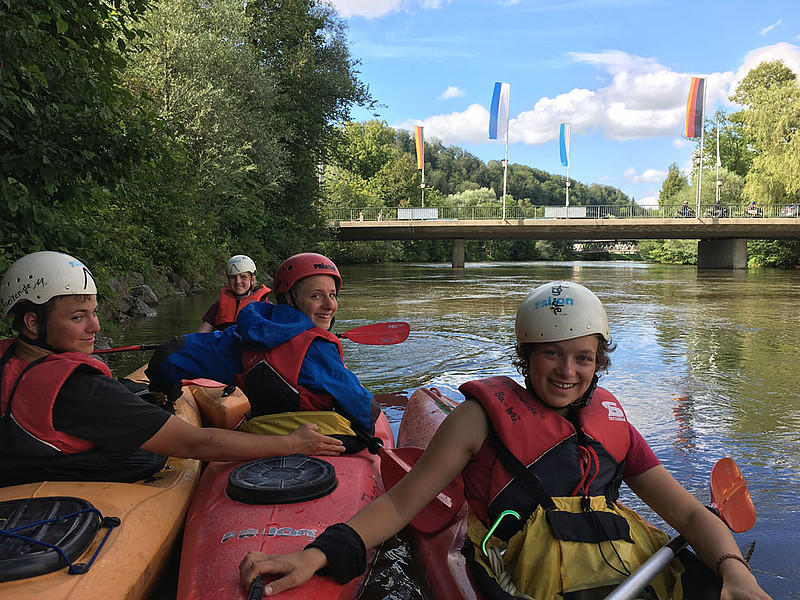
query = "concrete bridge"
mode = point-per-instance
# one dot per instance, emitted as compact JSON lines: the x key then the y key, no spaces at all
{"x":722,"y":241}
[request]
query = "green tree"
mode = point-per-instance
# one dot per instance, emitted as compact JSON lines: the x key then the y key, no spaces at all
{"x":302,"y":46}
{"x":674,"y":182}
{"x":67,"y":126}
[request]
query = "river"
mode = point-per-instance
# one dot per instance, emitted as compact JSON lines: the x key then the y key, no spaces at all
{"x":707,"y":365}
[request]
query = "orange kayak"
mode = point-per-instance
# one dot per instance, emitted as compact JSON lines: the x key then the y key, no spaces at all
{"x":151,"y":514}
{"x":440,"y":566}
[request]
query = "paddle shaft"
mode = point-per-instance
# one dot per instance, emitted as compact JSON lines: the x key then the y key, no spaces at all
{"x":638,"y":580}
{"x":377,"y":334}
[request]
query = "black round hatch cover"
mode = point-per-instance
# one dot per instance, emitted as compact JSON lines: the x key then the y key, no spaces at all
{"x":281,"y":480}
{"x":20,"y":558}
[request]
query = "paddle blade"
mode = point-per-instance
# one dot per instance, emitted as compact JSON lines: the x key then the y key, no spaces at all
{"x":440,"y":511}
{"x":378,"y":334}
{"x":203,"y":382}
{"x":729,"y":494}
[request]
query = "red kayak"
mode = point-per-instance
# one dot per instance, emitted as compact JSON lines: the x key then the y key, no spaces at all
{"x":273,"y":505}
{"x":441,"y":568}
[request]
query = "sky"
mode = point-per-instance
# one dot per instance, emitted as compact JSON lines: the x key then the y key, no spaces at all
{"x":617,"y":70}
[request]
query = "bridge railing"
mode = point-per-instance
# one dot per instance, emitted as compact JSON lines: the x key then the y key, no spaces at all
{"x":515,"y":213}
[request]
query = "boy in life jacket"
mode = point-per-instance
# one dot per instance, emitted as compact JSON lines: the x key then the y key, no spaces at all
{"x":282,"y":356}
{"x":569,"y":446}
{"x":240,"y":290}
{"x":64,"y":417}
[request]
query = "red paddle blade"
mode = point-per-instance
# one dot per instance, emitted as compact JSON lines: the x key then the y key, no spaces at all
{"x":378,"y":334}
{"x":439,"y":512}
{"x":729,"y":494}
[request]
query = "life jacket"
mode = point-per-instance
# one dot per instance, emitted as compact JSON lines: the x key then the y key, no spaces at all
{"x":230,"y":304}
{"x":28,"y":393}
{"x":570,"y":526}
{"x":273,"y":375}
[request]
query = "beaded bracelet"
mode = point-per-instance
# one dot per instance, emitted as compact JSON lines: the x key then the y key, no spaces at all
{"x":724,"y":557}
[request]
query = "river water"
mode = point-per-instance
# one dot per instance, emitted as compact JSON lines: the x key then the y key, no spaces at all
{"x":707,"y":365}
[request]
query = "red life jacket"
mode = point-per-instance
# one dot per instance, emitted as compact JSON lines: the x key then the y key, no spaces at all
{"x":28,"y":393}
{"x":568,"y":461}
{"x":230,"y":304}
{"x":286,"y":360}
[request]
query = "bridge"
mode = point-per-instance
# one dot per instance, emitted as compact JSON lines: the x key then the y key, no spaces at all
{"x":722,"y":240}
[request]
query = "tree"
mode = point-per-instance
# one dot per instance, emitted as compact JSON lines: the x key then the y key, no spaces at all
{"x":674,"y":183}
{"x":302,"y":46}
{"x":67,"y":126}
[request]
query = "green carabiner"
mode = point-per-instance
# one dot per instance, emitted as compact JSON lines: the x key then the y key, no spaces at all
{"x":494,"y":526}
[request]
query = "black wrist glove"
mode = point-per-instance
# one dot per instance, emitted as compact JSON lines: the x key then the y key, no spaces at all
{"x":345,"y":551}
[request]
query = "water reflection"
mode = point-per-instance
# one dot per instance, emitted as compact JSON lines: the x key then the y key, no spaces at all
{"x":706,"y":366}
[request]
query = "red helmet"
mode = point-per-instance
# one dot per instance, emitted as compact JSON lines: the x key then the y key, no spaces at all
{"x":304,"y":265}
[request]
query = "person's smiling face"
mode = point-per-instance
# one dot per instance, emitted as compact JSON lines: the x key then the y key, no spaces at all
{"x":72,"y":324}
{"x":240,"y":283}
{"x":561,"y":372}
{"x":315,"y":297}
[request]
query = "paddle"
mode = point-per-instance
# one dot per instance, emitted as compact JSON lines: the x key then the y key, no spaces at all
{"x":395,"y":463}
{"x":729,"y":499}
{"x":377,"y":334}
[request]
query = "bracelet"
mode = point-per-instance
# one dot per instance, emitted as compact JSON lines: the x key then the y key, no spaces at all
{"x":725,"y":557}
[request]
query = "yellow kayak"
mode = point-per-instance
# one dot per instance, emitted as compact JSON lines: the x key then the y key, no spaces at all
{"x":151,"y":514}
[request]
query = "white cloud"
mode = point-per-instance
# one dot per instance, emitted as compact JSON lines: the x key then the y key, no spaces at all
{"x":452,"y":92}
{"x":643,"y":99}
{"x":647,"y":176}
{"x":372,"y":9}
{"x":769,"y":28}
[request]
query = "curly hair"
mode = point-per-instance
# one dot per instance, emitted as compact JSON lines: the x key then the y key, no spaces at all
{"x":521,"y":360}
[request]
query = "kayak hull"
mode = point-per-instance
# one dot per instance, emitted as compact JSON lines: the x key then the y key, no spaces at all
{"x":220,"y":531}
{"x":137,"y":551}
{"x":440,"y":566}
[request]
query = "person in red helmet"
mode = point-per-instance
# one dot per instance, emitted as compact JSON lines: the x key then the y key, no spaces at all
{"x":240,"y":290}
{"x":282,"y":356}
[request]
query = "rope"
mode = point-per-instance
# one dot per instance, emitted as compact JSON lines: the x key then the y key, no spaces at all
{"x":495,"y":558}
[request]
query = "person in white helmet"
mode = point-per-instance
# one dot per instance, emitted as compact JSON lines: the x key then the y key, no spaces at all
{"x":63,"y":416}
{"x":569,"y":447}
{"x":240,"y":290}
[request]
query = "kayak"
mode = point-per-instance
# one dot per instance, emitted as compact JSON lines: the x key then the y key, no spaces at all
{"x":135,"y":552}
{"x":273,"y":505}
{"x":441,"y":568}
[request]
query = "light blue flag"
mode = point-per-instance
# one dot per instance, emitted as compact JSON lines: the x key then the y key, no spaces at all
{"x":498,"y":116}
{"x":564,"y":144}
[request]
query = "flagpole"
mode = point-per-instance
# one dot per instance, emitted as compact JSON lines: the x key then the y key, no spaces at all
{"x":702,"y":140}
{"x":505,"y":176}
{"x":719,"y":162}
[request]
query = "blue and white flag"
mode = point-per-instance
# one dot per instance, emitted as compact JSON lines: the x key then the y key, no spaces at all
{"x":563,"y":144}
{"x":498,"y":116}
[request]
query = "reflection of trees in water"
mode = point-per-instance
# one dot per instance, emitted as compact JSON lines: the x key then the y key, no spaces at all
{"x":683,"y":411}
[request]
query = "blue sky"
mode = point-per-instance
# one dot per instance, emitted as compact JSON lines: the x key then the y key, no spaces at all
{"x":617,"y":70}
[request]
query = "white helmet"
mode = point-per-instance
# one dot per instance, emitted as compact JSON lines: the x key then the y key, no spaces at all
{"x":560,"y":310}
{"x":240,"y":264}
{"x":40,"y":276}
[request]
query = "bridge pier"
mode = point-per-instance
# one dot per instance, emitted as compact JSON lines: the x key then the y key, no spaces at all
{"x":730,"y":253}
{"x":457,"y":252}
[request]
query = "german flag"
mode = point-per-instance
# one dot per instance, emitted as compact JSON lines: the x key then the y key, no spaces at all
{"x":694,"y":107}
{"x":420,"y":144}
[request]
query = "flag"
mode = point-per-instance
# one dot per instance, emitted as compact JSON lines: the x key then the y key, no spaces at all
{"x":694,"y":107}
{"x":563,"y":144}
{"x":419,"y":142}
{"x":498,"y":117}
